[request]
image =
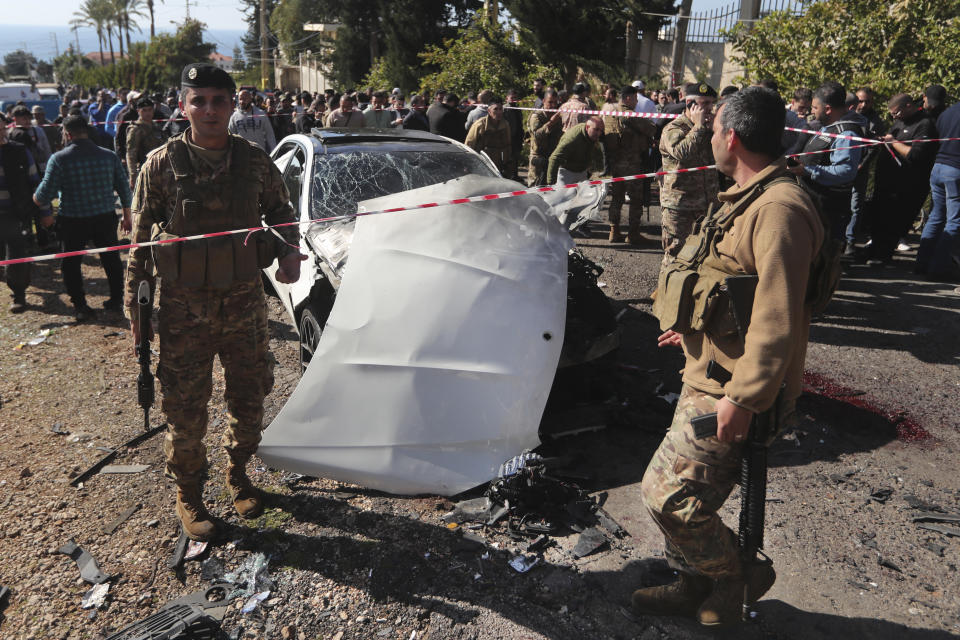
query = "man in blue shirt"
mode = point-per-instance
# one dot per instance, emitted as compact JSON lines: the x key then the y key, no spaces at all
{"x":85,"y":177}
{"x":114,"y":112}
{"x":940,"y":240}
{"x":831,"y":175}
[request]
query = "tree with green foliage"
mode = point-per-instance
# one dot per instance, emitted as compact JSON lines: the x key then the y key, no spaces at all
{"x":154,"y":66}
{"x":68,"y":63}
{"x":483,"y":56}
{"x":395,"y":31}
{"x":18,"y":63}
{"x":893,"y":47}
{"x":574,"y":35}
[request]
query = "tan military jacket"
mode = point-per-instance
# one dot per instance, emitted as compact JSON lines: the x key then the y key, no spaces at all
{"x":684,"y":146}
{"x":155,"y":197}
{"x":543,"y":138}
{"x":627,"y":140}
{"x":492,"y":137}
{"x":775,"y":238}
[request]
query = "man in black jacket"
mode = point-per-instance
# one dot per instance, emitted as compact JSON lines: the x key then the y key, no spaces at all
{"x":900,"y":189}
{"x":18,"y":179}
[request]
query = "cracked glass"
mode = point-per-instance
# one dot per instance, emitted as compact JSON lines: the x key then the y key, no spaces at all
{"x":341,"y":180}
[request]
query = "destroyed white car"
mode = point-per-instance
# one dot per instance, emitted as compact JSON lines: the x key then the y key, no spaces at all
{"x":429,"y":338}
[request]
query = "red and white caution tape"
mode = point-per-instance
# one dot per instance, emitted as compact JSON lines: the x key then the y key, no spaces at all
{"x":425,"y":205}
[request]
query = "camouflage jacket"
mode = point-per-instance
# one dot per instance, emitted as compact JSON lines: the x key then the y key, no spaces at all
{"x":543,"y":138}
{"x":568,"y":109}
{"x":626,"y":139}
{"x":155,"y":200}
{"x":142,"y":138}
{"x":683,"y":146}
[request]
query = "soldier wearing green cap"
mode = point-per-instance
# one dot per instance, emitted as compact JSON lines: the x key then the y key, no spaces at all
{"x":684,"y":144}
{"x":211,"y":297}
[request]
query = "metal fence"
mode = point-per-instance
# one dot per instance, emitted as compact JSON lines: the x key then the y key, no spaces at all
{"x":706,"y":26}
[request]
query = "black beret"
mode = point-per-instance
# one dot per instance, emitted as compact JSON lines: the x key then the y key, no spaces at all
{"x":143,"y":102}
{"x":699,"y":90}
{"x":201,"y":75}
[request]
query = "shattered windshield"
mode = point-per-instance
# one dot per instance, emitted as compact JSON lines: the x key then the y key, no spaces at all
{"x":341,"y":180}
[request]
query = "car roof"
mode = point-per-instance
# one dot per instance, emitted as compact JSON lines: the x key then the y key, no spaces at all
{"x":339,"y":136}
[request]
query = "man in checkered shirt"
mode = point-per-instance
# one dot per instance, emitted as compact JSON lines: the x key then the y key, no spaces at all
{"x":87,"y":179}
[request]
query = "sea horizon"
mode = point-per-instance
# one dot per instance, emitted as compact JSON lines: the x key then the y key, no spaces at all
{"x":43,"y":41}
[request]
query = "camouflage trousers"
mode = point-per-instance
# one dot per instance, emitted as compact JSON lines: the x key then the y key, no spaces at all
{"x":537,"y":171}
{"x":618,"y":191}
{"x":195,"y":326}
{"x":685,"y":484}
{"x":676,"y":225}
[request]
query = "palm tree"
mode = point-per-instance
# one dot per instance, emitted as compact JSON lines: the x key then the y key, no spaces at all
{"x":150,"y":9}
{"x":125,"y":11}
{"x":96,"y":14}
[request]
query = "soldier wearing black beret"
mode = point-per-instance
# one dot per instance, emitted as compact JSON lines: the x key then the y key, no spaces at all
{"x":211,"y":297}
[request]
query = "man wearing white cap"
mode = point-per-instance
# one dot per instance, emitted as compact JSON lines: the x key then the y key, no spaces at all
{"x":644,"y":104}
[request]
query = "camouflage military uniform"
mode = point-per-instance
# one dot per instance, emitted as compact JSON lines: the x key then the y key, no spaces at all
{"x":543,"y":140}
{"x":684,"y":197}
{"x":218,"y":312}
{"x":627,"y":142}
{"x":142,"y":138}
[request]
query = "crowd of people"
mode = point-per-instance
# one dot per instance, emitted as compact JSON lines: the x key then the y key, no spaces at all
{"x":749,"y":210}
{"x":872,"y":195}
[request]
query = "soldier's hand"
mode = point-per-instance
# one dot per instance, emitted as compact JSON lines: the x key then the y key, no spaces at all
{"x":733,"y":422}
{"x":697,"y":114}
{"x":669,"y":339}
{"x":289,"y":271}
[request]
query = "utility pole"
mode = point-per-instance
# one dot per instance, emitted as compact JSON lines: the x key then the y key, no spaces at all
{"x":263,"y":44}
{"x":188,"y":9}
{"x":56,"y":45}
{"x":679,"y":42}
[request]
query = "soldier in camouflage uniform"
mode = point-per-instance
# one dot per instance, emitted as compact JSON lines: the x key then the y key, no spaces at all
{"x":685,"y":143}
{"x":627,"y":143}
{"x":211,"y":297}
{"x":143,"y":136}
{"x":772,"y":231}
{"x":545,"y":131}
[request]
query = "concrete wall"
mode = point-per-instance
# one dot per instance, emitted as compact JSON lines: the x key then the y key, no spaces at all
{"x":655,"y":61}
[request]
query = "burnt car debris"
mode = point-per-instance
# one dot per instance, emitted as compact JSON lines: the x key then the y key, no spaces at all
{"x":440,"y":329}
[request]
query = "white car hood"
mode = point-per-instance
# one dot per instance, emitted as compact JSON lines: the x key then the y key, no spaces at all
{"x":440,"y":351}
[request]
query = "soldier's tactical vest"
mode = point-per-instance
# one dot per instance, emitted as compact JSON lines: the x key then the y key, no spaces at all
{"x":229,"y":201}
{"x":691,"y":291}
{"x":820,"y":143}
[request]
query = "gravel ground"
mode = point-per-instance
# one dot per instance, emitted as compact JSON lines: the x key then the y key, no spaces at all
{"x":878,"y":434}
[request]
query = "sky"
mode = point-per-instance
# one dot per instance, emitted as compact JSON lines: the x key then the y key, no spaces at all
{"x":218,"y":14}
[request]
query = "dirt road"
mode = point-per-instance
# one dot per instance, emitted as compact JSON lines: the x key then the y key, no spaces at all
{"x":878,"y":443}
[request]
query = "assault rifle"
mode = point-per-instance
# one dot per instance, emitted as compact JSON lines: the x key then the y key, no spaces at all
{"x":753,"y":464}
{"x":145,"y":393}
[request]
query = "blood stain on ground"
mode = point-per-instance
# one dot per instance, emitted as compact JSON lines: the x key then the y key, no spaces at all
{"x":908,"y":430}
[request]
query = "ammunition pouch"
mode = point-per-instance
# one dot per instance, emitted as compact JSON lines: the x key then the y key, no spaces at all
{"x":227,"y":202}
{"x":692,"y":294}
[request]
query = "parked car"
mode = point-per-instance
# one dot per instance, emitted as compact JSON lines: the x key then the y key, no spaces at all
{"x":330,"y":172}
